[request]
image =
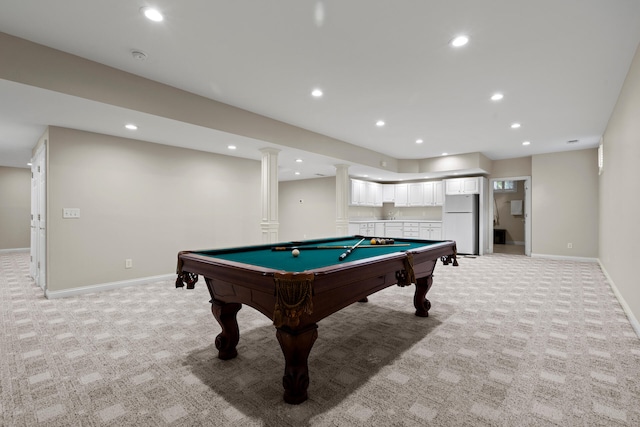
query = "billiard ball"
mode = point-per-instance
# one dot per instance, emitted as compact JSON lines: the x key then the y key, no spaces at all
{"x":373,"y":241}
{"x":295,"y":252}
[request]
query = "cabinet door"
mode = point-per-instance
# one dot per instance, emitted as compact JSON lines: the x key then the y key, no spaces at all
{"x":436,"y":234}
{"x":416,"y":194}
{"x":438,"y":193}
{"x":462,"y":186}
{"x":470,"y":186}
{"x":388,"y":193}
{"x":428,"y":193}
{"x":377,"y":194}
{"x":379,"y":229}
{"x":393,"y":230}
{"x":402,"y":195}
{"x":357,"y":192}
{"x":453,"y":186}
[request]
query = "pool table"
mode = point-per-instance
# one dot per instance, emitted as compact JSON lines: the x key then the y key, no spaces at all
{"x":299,"y":291}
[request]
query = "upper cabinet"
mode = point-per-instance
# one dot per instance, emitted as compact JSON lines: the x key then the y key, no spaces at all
{"x":388,"y":193}
{"x":416,"y":194}
{"x":426,"y":193}
{"x":402,"y":195}
{"x":462,"y":186}
{"x":366,"y":193}
{"x":433,"y":193}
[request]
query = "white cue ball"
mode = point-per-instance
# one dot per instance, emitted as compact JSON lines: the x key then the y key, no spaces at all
{"x":295,"y":252}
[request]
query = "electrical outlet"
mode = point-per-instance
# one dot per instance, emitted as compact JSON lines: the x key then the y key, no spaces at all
{"x":70,"y":213}
{"x":128,"y":263}
{"x":569,"y":245}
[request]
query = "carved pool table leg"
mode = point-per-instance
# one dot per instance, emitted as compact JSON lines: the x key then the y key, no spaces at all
{"x":227,"y":340}
{"x":296,"y":346}
{"x":420,"y":302}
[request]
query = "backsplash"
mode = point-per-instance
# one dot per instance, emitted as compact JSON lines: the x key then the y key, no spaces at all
{"x":389,"y":211}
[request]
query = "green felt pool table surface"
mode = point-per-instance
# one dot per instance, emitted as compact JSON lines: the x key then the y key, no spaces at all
{"x":311,"y":259}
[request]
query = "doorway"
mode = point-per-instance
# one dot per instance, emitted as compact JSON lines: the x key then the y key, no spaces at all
{"x":510,"y":211}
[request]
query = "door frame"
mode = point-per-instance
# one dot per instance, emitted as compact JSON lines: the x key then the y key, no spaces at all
{"x":527,"y":211}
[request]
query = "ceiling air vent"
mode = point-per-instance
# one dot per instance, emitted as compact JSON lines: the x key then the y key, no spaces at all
{"x":572,"y":141}
{"x":319,"y":174}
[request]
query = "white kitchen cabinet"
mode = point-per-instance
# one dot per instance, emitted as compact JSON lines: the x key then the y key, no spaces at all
{"x":431,"y":230}
{"x":388,"y":193}
{"x":433,"y":193}
{"x":357,"y":192}
{"x":462,"y":186}
{"x":366,"y":193}
{"x":411,"y":230}
{"x":402,"y":195}
{"x":366,"y":228}
{"x":393,"y":229}
{"x":416,"y":194}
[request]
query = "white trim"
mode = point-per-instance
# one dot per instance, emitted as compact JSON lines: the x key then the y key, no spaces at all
{"x":105,"y":286}
{"x":9,"y":251}
{"x":565,"y":258}
{"x":627,"y":310}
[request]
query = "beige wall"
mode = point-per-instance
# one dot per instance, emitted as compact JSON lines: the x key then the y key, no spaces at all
{"x":307,"y":209}
{"x":15,"y":208}
{"x":510,"y":168}
{"x":619,"y":195}
{"x":565,"y":204}
{"x":141,"y":201}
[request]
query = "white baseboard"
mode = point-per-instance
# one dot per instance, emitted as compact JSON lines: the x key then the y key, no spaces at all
{"x":632,"y":319}
{"x":105,"y":286}
{"x":565,"y":258}
{"x":9,"y":251}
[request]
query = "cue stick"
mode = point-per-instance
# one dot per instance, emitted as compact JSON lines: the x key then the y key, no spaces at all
{"x":289,"y":248}
{"x":351,"y":249}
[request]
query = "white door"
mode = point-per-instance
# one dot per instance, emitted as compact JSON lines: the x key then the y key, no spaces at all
{"x":39,"y":218}
{"x":34,"y":233}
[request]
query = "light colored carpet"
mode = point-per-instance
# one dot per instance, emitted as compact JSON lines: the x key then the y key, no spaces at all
{"x":511,"y":341}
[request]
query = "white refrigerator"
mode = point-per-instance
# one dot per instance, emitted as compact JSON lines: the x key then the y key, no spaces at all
{"x":460,"y":222}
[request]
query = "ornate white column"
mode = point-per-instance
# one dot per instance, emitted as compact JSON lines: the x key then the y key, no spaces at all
{"x":343,"y":184}
{"x":269,"y":194}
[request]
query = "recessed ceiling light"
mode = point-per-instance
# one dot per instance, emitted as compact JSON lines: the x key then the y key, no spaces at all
{"x":317,"y":93}
{"x":380,"y":123}
{"x":131,"y":126}
{"x":526,"y":143}
{"x":445,"y":154}
{"x":298,"y":160}
{"x":29,"y":164}
{"x":515,"y":125}
{"x":152,"y":14}
{"x":297,"y":173}
{"x":231,"y":147}
{"x":460,"y":41}
{"x":497,"y":96}
{"x":419,"y":141}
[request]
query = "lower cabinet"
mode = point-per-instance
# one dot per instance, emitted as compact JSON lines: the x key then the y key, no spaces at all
{"x":393,"y":230}
{"x":431,"y":230}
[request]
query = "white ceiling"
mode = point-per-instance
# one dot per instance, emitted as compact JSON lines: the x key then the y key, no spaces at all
{"x":559,"y":63}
